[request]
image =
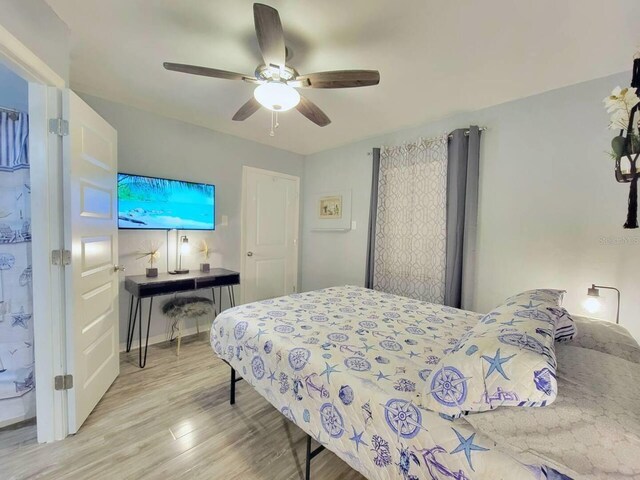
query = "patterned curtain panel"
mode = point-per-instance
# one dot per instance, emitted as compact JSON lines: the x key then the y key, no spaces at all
{"x":16,"y":300}
{"x":410,"y":230}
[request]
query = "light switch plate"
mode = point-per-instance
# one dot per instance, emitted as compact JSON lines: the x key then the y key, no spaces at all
{"x":224,"y":220}
{"x":353,"y":225}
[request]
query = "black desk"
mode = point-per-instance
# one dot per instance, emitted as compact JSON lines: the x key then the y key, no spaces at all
{"x":141,"y":286}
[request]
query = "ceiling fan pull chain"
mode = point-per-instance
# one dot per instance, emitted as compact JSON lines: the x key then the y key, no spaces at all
{"x":272,"y":133}
{"x":277,"y":123}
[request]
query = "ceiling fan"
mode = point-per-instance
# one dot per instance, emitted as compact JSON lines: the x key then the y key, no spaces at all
{"x":277,"y":81}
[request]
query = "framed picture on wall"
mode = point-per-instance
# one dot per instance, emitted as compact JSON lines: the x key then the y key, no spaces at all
{"x":332,"y":211}
{"x":330,"y":208}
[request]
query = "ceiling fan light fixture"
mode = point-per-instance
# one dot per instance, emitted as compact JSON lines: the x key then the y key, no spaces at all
{"x":276,"y":96}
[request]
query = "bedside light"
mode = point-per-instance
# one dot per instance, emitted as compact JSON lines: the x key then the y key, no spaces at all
{"x":185,"y":248}
{"x":593,"y":302}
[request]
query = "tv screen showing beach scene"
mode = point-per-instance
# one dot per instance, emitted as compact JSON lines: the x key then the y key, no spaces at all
{"x":163,"y":204}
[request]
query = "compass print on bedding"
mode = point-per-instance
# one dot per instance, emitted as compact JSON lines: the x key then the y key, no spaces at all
{"x":449,"y":386}
{"x":338,"y":337}
{"x":332,"y":421}
{"x":358,"y":364}
{"x":283,"y":328}
{"x":522,"y":340}
{"x":403,"y":417}
{"x":391,"y":345}
{"x":239,"y":330}
{"x":368,"y":324}
{"x":415,"y":330}
{"x":298,"y":358}
{"x":257,"y":367}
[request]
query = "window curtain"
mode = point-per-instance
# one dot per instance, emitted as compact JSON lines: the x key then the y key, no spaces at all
{"x":407,"y":246}
{"x":463,"y":173}
{"x":423,"y":220}
{"x":16,"y":326}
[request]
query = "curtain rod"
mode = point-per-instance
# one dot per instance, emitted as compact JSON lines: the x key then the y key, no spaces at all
{"x":466,"y":134}
{"x":13,"y":113}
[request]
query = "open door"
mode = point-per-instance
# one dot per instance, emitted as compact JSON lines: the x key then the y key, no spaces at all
{"x":91,"y":236}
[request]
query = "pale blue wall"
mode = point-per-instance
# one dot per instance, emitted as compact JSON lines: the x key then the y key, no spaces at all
{"x":549,"y":204}
{"x":150,"y":144}
{"x":14,"y":91}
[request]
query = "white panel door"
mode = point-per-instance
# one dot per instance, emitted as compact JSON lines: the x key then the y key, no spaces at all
{"x":270,"y":233}
{"x":91,"y":234}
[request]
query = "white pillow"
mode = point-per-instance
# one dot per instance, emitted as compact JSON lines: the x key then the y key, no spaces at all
{"x":507,"y":359}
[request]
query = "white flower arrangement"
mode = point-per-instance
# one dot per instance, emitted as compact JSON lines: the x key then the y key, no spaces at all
{"x":619,"y":105}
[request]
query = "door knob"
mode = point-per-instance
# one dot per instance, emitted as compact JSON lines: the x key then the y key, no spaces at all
{"x":249,"y":254}
{"x":118,"y":268}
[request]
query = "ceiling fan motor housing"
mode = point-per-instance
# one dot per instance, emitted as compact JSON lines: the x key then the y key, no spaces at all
{"x":274,"y":73}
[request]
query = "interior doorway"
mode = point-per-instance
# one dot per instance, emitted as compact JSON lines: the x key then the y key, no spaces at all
{"x":17,"y":359}
{"x":270,"y":219}
{"x":40,"y":362}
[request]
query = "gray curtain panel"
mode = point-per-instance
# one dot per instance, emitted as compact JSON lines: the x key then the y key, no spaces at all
{"x":463,"y":172}
{"x":373,"y":211}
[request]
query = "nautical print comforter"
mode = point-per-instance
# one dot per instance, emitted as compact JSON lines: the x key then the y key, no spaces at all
{"x":348,"y":365}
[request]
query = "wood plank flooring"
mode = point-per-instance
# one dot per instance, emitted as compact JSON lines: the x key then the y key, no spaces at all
{"x":172,"y":420}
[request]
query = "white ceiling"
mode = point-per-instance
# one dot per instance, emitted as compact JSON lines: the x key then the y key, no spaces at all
{"x":436,"y":57}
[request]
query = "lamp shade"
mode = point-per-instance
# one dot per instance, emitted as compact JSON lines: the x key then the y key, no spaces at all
{"x":184,"y":246}
{"x":275,"y":96}
{"x":592,"y":304}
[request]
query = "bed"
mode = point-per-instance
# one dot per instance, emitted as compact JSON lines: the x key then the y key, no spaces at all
{"x":348,"y":365}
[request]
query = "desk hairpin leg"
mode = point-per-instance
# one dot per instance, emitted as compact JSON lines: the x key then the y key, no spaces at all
{"x":232,"y":296}
{"x":143,"y":361}
{"x":131,"y":326}
{"x":310,"y":455}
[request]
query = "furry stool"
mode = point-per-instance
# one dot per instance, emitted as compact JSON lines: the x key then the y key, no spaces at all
{"x":179,"y":308}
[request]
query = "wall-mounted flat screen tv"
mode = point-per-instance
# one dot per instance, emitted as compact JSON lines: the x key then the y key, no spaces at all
{"x":162,"y":204}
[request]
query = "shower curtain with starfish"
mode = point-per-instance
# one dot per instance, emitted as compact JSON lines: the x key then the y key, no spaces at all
{"x":16,"y":321}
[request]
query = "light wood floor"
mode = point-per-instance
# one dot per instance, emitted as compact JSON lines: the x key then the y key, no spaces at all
{"x":172,"y":420}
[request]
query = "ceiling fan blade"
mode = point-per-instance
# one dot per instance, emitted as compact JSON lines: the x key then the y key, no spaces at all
{"x":310,"y":110}
{"x":270,"y":34}
{"x":206,"y":72}
{"x":338,"y":79}
{"x":246,"y":110}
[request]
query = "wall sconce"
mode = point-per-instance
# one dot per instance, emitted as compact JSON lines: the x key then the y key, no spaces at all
{"x":184,"y":250}
{"x":593,"y":301}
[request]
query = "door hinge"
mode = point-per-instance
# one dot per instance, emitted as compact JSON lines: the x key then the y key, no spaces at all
{"x":58,"y":126}
{"x":63,"y":382}
{"x":60,"y":257}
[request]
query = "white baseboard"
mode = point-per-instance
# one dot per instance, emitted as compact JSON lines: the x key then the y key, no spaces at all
{"x":18,"y":409}
{"x":162,"y":337}
{"x":14,"y":420}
